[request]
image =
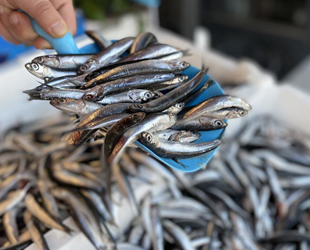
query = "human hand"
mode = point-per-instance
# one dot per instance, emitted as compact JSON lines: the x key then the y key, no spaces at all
{"x":56,"y":17}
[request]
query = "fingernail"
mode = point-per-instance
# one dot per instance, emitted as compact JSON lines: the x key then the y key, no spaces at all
{"x":59,"y":29}
{"x":14,"y":19}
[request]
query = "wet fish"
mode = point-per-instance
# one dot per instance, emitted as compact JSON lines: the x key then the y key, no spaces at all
{"x":99,"y":40}
{"x":119,"y":85}
{"x":179,"y":236}
{"x":153,"y":51}
{"x":135,"y":95}
{"x":150,"y":123}
{"x":39,"y":213}
{"x":217,"y":103}
{"x":73,"y":106}
{"x":170,"y":149}
{"x":142,"y":40}
{"x":106,"y":56}
{"x":171,"y":97}
{"x":138,"y":68}
{"x":203,"y":123}
{"x":10,"y":225}
{"x":35,"y":232}
{"x":58,"y":61}
{"x":43,"y":71}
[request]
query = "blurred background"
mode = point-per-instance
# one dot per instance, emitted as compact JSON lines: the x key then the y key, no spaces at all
{"x":273,"y":33}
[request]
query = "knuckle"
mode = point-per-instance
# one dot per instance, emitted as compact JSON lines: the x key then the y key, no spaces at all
{"x":42,"y":7}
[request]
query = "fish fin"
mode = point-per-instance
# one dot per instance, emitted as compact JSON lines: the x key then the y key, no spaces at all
{"x":177,"y":161}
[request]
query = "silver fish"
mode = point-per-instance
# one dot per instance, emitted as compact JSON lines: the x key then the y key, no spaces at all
{"x":71,"y":62}
{"x":170,"y":149}
{"x":135,"y":95}
{"x":73,"y":106}
{"x":43,"y":71}
{"x":106,"y":56}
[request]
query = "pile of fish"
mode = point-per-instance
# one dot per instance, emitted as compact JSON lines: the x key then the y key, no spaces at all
{"x":137,"y":85}
{"x":253,"y":195}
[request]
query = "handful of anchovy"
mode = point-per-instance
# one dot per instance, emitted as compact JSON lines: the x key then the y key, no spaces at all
{"x":253,"y":195}
{"x":134,"y":89}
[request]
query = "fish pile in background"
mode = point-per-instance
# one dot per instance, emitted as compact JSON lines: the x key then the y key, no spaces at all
{"x":253,"y":195}
{"x":135,"y":84}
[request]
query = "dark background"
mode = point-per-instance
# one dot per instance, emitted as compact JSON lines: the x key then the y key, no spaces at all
{"x":275,"y":33}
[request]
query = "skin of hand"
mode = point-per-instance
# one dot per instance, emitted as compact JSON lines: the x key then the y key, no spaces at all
{"x":56,"y":17}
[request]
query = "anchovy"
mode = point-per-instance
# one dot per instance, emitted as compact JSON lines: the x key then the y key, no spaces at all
{"x":169,"y":84}
{"x":135,"y":95}
{"x":125,"y":188}
{"x":202,"y":123}
{"x":171,"y":97}
{"x":179,"y":236}
{"x":106,"y":56}
{"x":99,"y":40}
{"x":142,"y":40}
{"x":128,"y":165}
{"x":170,"y":149}
{"x":99,"y":205}
{"x":42,"y":71}
{"x":150,"y":123}
{"x":153,"y":51}
{"x":10,"y":225}
{"x":13,"y":199}
{"x":60,"y":61}
{"x":73,"y":106}
{"x":214,"y":104}
{"x":119,"y":85}
{"x":103,"y":112}
{"x":72,"y":179}
{"x":138,"y":68}
{"x":35,"y":232}
{"x":82,"y":215}
{"x":38,"y":212}
{"x":56,"y":93}
{"x":102,"y":122}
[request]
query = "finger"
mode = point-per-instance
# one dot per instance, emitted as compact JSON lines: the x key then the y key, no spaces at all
{"x":45,"y":15}
{"x":7,"y":35}
{"x":66,"y":10}
{"x":41,"y":43}
{"x":20,"y":27}
{"x":4,"y":9}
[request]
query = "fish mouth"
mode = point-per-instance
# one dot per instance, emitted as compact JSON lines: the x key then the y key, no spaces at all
{"x":28,"y":66}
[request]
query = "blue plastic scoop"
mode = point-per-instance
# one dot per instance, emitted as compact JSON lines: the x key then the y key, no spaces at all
{"x":66,"y":45}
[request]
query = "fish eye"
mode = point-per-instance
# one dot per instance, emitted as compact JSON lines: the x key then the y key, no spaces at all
{"x":183,"y":64}
{"x":62,"y":100}
{"x":139,"y":106}
{"x":242,"y":113}
{"x":135,"y":116}
{"x":149,"y":137}
{"x":148,"y":95}
{"x":40,"y":59}
{"x":88,"y":97}
{"x":35,"y":66}
{"x":83,"y":68}
{"x":180,"y":105}
{"x":218,"y":123}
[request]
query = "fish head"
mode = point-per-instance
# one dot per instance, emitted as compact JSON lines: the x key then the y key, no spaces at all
{"x":89,"y":96}
{"x":216,"y":123}
{"x":137,"y":117}
{"x":37,"y":69}
{"x":148,"y":138}
{"x":89,"y":66}
{"x":52,"y":60}
{"x":236,"y":113}
{"x":175,"y":109}
{"x":182,"y":65}
{"x":39,"y":59}
{"x":147,"y":95}
{"x":182,"y":78}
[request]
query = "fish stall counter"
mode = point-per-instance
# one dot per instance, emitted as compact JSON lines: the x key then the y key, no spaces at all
{"x":15,"y":108}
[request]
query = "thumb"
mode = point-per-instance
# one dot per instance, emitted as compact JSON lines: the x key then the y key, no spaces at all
{"x":45,"y":14}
